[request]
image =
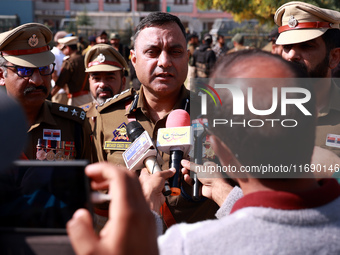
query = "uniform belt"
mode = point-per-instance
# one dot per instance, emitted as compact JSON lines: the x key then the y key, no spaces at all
{"x":77,"y":94}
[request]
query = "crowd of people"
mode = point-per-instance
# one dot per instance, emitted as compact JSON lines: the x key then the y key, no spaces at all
{"x":245,"y":213}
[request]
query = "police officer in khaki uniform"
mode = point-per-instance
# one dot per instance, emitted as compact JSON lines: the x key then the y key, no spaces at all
{"x":161,"y":61}
{"x":311,"y":37}
{"x":73,"y":74}
{"x":56,"y":132}
{"x":106,"y":68}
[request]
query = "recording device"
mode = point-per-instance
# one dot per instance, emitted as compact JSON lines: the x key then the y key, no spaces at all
{"x":42,"y":195}
{"x":142,"y":152}
{"x":176,"y":139}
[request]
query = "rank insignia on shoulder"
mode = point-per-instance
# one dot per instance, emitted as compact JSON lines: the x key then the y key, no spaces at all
{"x":120,"y":139}
{"x":69,"y":112}
{"x":63,"y":108}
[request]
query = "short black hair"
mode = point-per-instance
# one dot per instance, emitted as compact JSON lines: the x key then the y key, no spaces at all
{"x":332,"y":39}
{"x":220,"y":36}
{"x":158,"y":19}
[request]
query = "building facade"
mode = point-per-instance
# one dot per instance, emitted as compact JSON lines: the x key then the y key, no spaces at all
{"x":111,"y":15}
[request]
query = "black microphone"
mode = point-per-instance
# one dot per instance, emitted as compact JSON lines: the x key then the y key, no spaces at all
{"x":176,"y":140}
{"x":142,"y":152}
{"x":199,"y":134}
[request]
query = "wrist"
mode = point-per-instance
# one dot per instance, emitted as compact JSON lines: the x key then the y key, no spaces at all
{"x":221,"y":192}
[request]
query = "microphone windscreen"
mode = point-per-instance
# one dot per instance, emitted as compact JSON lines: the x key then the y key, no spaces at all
{"x":134,"y":129}
{"x":178,"y":118}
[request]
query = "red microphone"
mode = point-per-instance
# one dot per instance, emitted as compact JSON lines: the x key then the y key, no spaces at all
{"x":176,"y":139}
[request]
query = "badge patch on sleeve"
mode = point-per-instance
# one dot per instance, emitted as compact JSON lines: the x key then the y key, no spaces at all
{"x":333,"y":140}
{"x":120,"y":139}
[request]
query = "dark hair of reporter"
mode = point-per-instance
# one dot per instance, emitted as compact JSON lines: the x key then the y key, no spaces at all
{"x":266,"y":145}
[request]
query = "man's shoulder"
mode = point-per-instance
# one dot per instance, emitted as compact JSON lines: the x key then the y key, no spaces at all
{"x":88,"y":106}
{"x":116,"y":100}
{"x":69,"y":112}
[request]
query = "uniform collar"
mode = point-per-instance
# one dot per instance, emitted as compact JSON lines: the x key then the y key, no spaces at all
{"x":328,"y":191}
{"x":334,"y":102}
{"x":44,"y":116}
{"x":91,"y":110}
{"x":184,"y":94}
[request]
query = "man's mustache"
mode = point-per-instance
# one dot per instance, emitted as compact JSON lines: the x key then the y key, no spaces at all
{"x":33,"y":88}
{"x":104,"y":89}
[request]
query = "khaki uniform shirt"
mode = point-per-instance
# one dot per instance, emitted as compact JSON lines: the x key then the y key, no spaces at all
{"x":111,"y":141}
{"x":73,"y":74}
{"x":61,"y":132}
{"x":328,"y":127}
{"x":91,"y":113}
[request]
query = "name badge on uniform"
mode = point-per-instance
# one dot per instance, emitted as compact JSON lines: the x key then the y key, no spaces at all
{"x":333,"y":140}
{"x":52,"y":134}
{"x":120,"y":139}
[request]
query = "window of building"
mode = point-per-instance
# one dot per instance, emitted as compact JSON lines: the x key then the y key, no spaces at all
{"x":81,"y":1}
{"x":181,"y":1}
{"x":112,"y":1}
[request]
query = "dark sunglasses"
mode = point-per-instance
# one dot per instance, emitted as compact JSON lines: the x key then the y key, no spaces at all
{"x":28,"y":71}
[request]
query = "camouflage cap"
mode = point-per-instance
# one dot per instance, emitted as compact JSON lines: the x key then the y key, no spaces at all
{"x":27,"y":45}
{"x":114,"y":36}
{"x":300,"y":22}
{"x":104,"y":58}
{"x":239,"y":38}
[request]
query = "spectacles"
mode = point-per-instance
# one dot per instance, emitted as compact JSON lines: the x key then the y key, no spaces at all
{"x":28,"y":71}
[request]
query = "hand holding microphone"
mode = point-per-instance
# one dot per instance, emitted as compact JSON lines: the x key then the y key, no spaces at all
{"x":142,"y":152}
{"x":176,"y":139}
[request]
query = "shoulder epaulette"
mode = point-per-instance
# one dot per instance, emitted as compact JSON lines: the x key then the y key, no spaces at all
{"x":116,"y":98}
{"x":86,"y":107}
{"x":68,"y":112}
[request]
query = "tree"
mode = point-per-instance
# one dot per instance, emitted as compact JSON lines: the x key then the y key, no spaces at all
{"x":83,"y":19}
{"x":262,"y":10}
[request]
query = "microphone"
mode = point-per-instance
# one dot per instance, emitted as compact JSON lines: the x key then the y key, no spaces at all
{"x":176,"y":139}
{"x":142,"y":152}
{"x":199,"y":134}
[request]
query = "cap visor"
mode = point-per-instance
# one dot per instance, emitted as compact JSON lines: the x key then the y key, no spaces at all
{"x":299,"y":36}
{"x":32,"y":60}
{"x":102,"y":68}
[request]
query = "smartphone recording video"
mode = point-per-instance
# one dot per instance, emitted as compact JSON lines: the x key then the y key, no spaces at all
{"x":42,"y":194}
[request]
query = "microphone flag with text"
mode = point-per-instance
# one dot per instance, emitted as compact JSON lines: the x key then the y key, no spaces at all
{"x":176,"y":140}
{"x":142,"y":152}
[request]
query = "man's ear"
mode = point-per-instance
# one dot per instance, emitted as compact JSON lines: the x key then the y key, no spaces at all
{"x":226,"y":157}
{"x":334,"y":58}
{"x":133,"y":57}
{"x":123,"y":86}
{"x":223,"y":152}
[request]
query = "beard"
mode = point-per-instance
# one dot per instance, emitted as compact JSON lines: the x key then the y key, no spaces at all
{"x":320,"y":70}
{"x":101,"y":100}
